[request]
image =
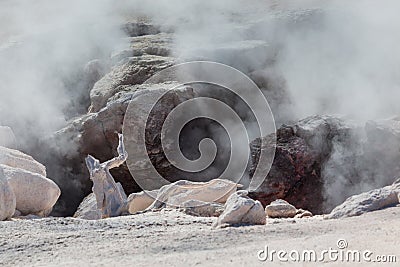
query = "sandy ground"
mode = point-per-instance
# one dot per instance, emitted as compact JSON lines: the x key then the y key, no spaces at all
{"x":171,"y":238}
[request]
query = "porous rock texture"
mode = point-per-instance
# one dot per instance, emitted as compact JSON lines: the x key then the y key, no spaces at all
{"x":319,"y":156}
{"x":241,"y":210}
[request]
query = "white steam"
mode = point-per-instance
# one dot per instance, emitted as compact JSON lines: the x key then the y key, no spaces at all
{"x":44,"y":46}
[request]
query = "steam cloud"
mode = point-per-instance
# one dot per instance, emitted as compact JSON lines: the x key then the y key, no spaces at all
{"x":328,"y":58}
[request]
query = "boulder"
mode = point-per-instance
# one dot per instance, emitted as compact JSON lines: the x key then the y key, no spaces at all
{"x":16,"y":159}
{"x":280,"y":209}
{"x":241,"y":210}
{"x":202,"y":209}
{"x":141,"y":201}
{"x":34,"y":193}
{"x":319,"y":156}
{"x":7,"y":198}
{"x":175,"y":194}
{"x":94,"y":134}
{"x":7,"y":137}
{"x":366,"y":202}
{"x":295,"y":174}
{"x":88,"y":210}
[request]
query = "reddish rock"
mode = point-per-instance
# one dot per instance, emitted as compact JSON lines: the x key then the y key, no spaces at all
{"x":295,"y":175}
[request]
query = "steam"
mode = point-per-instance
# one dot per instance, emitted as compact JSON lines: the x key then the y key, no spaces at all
{"x":44,"y":46}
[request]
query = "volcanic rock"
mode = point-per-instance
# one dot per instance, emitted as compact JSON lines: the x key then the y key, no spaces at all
{"x":241,"y":210}
{"x":301,"y":151}
{"x":94,"y":134}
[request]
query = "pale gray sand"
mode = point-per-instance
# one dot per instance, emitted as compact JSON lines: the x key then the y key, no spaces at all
{"x":170,"y":238}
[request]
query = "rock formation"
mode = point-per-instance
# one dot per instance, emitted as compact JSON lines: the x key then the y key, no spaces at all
{"x":319,"y":156}
{"x":35,"y":194}
{"x":366,"y":202}
{"x":241,"y":210}
{"x":110,"y":196}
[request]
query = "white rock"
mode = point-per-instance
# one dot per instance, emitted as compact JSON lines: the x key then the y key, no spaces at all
{"x":7,"y":137}
{"x":175,"y":194}
{"x":16,"y":159}
{"x":110,"y":196}
{"x":241,"y":210}
{"x":366,"y":202}
{"x":280,"y":209}
{"x":7,"y":198}
{"x":141,"y":201}
{"x":34,"y":193}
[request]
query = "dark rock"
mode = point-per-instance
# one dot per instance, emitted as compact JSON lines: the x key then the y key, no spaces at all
{"x":301,"y":151}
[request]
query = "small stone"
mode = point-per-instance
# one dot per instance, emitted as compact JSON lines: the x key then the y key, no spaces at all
{"x":303,"y":213}
{"x":241,"y":210}
{"x":280,"y":209}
